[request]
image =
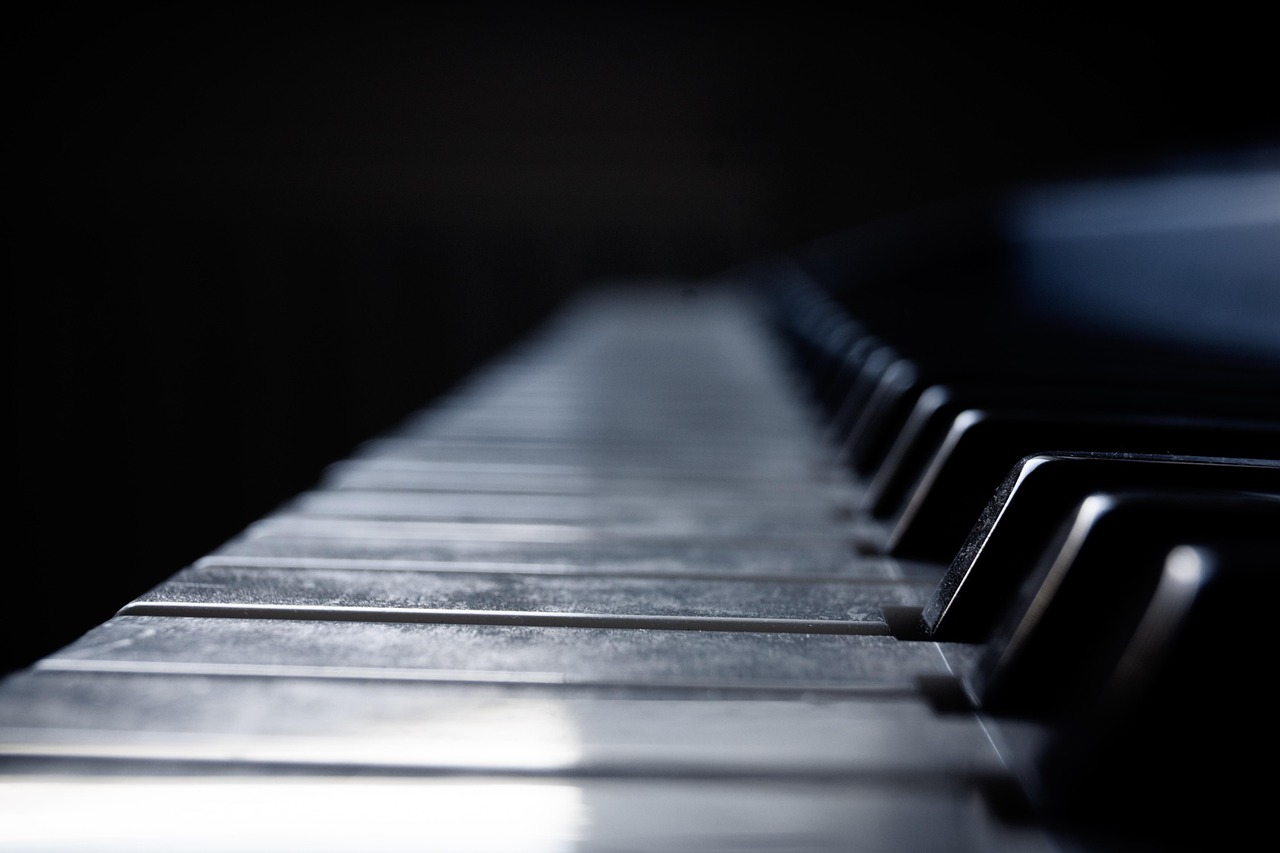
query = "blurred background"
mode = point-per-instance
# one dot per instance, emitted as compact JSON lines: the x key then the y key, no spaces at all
{"x":243,"y":240}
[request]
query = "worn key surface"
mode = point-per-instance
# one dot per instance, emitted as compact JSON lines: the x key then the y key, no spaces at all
{"x":608,"y":590}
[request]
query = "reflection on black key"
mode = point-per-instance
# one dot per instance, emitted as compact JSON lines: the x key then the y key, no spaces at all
{"x":1179,"y":743}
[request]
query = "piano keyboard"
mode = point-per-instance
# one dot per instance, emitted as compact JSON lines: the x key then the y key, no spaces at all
{"x":652,"y":582}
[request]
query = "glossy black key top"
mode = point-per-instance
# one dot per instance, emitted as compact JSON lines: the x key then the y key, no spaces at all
{"x":982,"y":445}
{"x":1033,"y":501}
{"x":896,"y":439}
{"x":1079,"y":610}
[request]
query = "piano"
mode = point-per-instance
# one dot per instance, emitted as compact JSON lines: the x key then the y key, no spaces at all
{"x":956,"y":532}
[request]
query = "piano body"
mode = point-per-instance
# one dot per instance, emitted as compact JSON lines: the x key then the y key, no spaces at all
{"x":861,"y":548}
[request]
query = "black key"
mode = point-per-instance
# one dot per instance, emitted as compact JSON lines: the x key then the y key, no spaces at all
{"x":1032,"y":502}
{"x":981,"y":446}
{"x":1177,"y":745}
{"x":1078,"y":611}
{"x":894,"y":437}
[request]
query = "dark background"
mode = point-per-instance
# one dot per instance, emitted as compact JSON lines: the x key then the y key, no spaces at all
{"x":242,"y":241}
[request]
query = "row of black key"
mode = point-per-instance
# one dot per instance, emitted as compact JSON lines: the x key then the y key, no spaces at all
{"x":1110,"y":528}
